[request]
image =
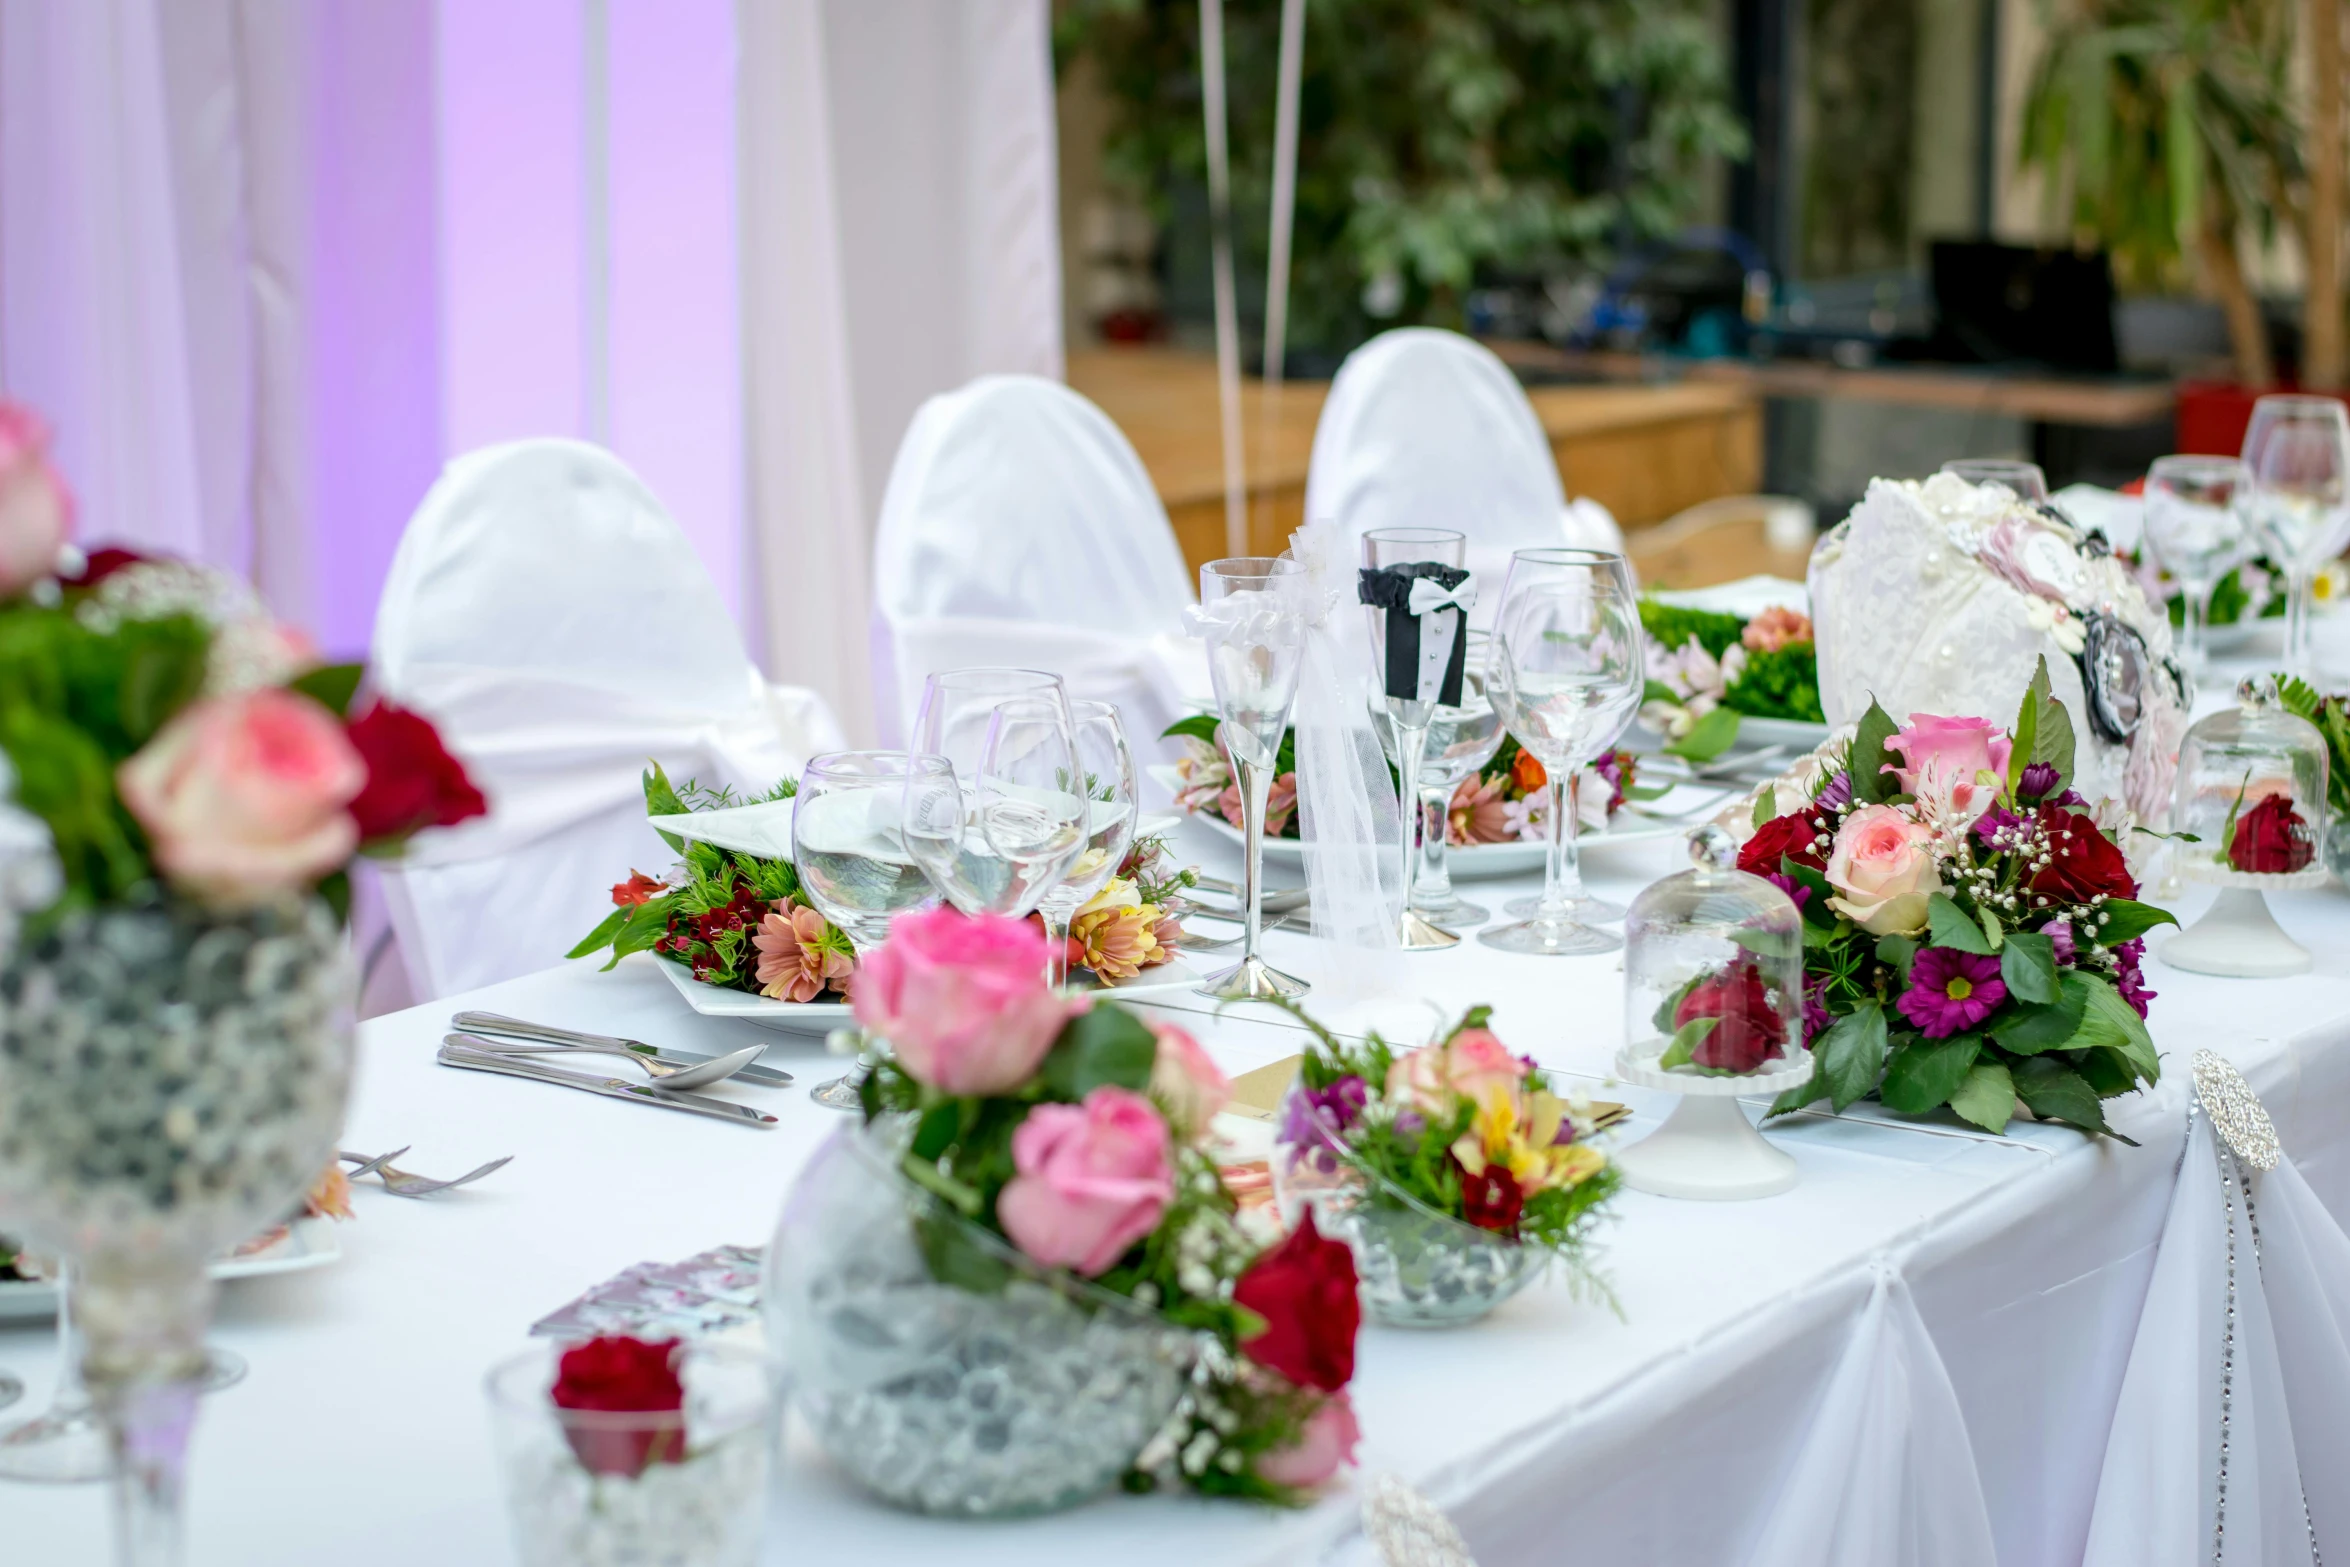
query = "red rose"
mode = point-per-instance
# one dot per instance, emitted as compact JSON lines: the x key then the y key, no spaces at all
{"x":1750,"y":1032}
{"x":1794,"y":836}
{"x":2082,"y":861}
{"x":103,"y":562}
{"x":412,"y":780}
{"x":1304,"y":1288}
{"x":639,"y":888}
{"x":1493,"y":1200}
{"x":622,"y":1375}
{"x":2272,"y":839}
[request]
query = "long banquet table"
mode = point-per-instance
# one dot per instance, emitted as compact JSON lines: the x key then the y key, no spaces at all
{"x":1555,"y":1427}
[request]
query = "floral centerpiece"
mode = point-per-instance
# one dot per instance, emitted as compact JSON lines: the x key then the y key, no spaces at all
{"x":1455,"y":1170}
{"x":1707,"y":668}
{"x":188,"y":784}
{"x":1031,"y":1219}
{"x":1973,"y":934}
{"x":1506,"y":801}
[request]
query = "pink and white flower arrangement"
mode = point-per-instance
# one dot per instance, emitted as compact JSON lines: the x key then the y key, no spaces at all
{"x":1078,"y":1134}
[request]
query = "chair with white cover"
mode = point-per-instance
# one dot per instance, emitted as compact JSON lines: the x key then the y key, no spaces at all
{"x":552,"y":618}
{"x":1428,"y":429}
{"x":1020,"y":529}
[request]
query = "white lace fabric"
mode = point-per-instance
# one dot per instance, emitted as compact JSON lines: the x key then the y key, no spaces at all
{"x":1348,"y":815}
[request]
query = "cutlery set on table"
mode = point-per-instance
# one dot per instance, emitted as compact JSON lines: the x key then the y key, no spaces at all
{"x":512,"y":1047}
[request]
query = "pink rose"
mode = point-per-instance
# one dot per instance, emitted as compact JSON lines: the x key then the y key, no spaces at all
{"x":36,"y":509}
{"x":961,"y":999}
{"x":1882,"y":867}
{"x":1327,"y":1441}
{"x":1947,"y":760}
{"x":243,"y":796}
{"x":1187,"y":1084}
{"x":1471,"y":1062}
{"x":1094,"y":1179}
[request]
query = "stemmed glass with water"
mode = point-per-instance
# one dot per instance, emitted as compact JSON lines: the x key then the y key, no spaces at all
{"x":2195,"y":527}
{"x":1107,"y":781}
{"x":998,"y":828}
{"x":1567,"y":672}
{"x":2297,"y":453}
{"x":1461,"y":740}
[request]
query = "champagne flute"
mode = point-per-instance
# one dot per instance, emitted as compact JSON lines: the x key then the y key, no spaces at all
{"x":2023,"y":479}
{"x":1408,"y":715}
{"x":1105,"y":767}
{"x":994,"y":843}
{"x":2195,"y":526}
{"x":850,"y":851}
{"x":1567,"y":664}
{"x":1250,"y":617}
{"x":1461,"y":740}
{"x":2297,"y":450}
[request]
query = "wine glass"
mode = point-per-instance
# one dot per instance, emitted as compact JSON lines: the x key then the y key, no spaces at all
{"x":1567,"y":666}
{"x":851,"y":854}
{"x":2023,"y":479}
{"x":2297,"y":451}
{"x":1250,"y":616}
{"x":1461,"y":740}
{"x":1105,"y":766}
{"x":1587,"y":907}
{"x":1406,"y":693}
{"x":994,"y":836}
{"x":1042,"y":807}
{"x":2195,"y":527}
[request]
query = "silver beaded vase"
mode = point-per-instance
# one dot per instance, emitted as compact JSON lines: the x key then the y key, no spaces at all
{"x":941,"y":1369}
{"x":172,"y":1080}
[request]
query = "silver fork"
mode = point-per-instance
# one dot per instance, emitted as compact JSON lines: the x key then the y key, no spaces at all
{"x":400,"y":1183}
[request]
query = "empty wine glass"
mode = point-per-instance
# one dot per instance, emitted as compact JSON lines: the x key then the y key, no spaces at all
{"x":1461,"y":740}
{"x":1040,"y":810}
{"x":1567,"y":669}
{"x":2023,"y":479}
{"x":1586,"y":906}
{"x":2297,"y":451}
{"x":1408,"y":716}
{"x":1105,"y":766}
{"x":1250,"y":616}
{"x":994,"y":836}
{"x":2195,"y":527}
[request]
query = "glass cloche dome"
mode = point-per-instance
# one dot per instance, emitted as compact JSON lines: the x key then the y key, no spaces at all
{"x":1713,"y":972}
{"x":2252,"y":792}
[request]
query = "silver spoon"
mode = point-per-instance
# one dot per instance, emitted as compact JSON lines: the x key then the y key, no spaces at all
{"x":661,"y":1072}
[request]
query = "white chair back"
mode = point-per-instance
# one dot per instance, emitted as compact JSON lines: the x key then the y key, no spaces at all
{"x":550,"y":616}
{"x":1426,"y":428}
{"x":1020,"y":529}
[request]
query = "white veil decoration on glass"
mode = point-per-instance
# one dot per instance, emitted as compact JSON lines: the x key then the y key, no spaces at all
{"x":1348,"y":815}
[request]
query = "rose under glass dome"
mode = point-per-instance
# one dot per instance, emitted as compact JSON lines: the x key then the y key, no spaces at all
{"x":2249,"y":812}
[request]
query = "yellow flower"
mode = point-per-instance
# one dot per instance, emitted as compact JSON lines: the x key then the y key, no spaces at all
{"x":1119,"y":936}
{"x":1518,"y":1132}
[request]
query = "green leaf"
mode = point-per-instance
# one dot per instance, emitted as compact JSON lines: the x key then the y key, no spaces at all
{"x":335,"y":891}
{"x":1795,"y":1099}
{"x":1708,"y":738}
{"x":1870,"y":783}
{"x":956,"y":1257}
{"x":2058,"y":1093}
{"x":1816,"y":913}
{"x":1950,"y":926}
{"x":1107,"y":1044}
{"x":1199,"y":726}
{"x":2028,"y":965}
{"x":2029,"y":1030}
{"x":2124,"y":918}
{"x":331,"y":686}
{"x":936,"y":1132}
{"x":2109,"y":1022}
{"x":662,"y":800}
{"x":1763,"y":804}
{"x":1851,"y":1053}
{"x":2052,"y":728}
{"x":1987,"y":1097}
{"x":1899,"y":952}
{"x":1926,"y":1072}
{"x":602,"y":936}
{"x":1685,"y":1041}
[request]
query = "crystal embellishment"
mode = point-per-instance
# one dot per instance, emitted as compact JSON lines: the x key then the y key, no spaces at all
{"x":2236,"y":1111}
{"x":1408,"y":1530}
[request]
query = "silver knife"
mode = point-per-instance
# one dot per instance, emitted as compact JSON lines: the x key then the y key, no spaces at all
{"x":547,"y":1033}
{"x":456,"y":1054}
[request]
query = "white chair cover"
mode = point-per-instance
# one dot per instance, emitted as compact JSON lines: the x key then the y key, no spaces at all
{"x":1427,"y":429}
{"x":551,"y":618}
{"x":1020,"y":529}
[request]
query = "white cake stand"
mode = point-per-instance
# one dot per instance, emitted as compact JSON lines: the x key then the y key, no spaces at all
{"x":1707,"y":1149}
{"x":2237,"y":936}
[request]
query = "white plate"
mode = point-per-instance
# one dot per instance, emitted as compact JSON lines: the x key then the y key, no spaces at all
{"x":309,"y":1242}
{"x":822,"y":1017}
{"x":1475,"y":861}
{"x":1797,"y":735}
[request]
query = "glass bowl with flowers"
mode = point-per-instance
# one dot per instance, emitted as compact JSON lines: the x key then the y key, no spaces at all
{"x":1020,"y":1280}
{"x":1456,"y":1170}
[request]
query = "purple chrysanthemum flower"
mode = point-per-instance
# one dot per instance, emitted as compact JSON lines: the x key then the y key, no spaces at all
{"x":1995,"y":821}
{"x":2071,"y":800}
{"x":2060,"y":936}
{"x":2128,"y":978}
{"x":1315,"y":1115}
{"x":1950,"y":992}
{"x":1796,"y":891}
{"x":2037,"y":780}
{"x":1837,"y":794}
{"x":1815,"y":1009}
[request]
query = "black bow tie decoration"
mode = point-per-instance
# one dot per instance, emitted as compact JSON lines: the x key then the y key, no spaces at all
{"x":1427,"y":607}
